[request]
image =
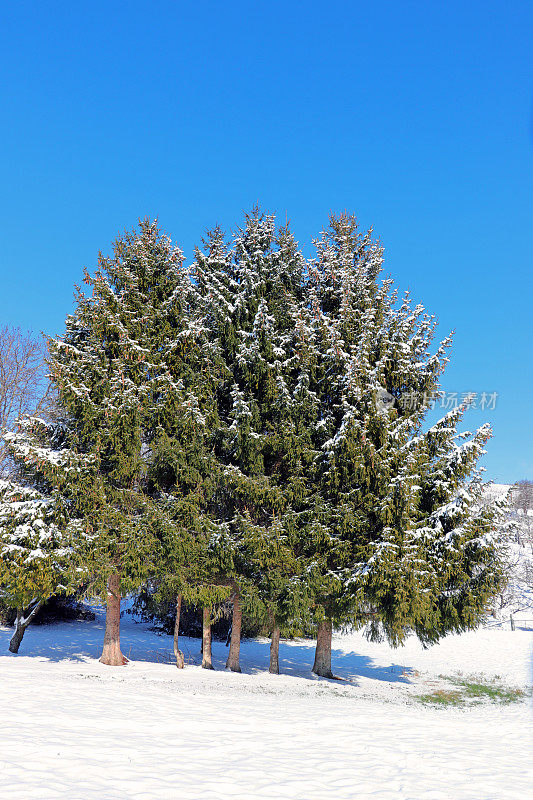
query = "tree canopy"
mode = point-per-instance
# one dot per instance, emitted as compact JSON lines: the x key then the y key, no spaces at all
{"x":255,"y":426}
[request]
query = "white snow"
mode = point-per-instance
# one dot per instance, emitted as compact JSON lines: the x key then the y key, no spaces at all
{"x":73,"y":728}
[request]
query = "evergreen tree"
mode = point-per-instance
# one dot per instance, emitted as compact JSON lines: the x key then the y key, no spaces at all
{"x":251,"y":292}
{"x":117,"y":371}
{"x":256,"y":430}
{"x":328,"y":379}
{"x":40,"y":531}
{"x":181,"y":470}
{"x":394,"y":535}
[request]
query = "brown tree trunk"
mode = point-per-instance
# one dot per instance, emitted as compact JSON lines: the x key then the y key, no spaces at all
{"x":274,"y":651}
{"x":232,"y":662}
{"x":322,"y":665}
{"x":16,"y":639}
{"x":206,"y":639}
{"x":20,"y":626}
{"x":180,"y":661}
{"x":111,"y":654}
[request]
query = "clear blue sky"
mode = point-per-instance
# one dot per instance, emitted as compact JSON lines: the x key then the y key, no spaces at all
{"x":417,"y":116}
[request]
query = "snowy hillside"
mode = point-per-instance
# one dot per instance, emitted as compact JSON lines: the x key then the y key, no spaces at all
{"x":73,"y":728}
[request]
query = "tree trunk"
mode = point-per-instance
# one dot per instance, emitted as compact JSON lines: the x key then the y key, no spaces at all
{"x":322,"y":665}
{"x":111,"y":654}
{"x":274,"y":651}
{"x":232,"y":662}
{"x":206,"y":639}
{"x":16,"y":639}
{"x":20,"y":626}
{"x":180,"y":661}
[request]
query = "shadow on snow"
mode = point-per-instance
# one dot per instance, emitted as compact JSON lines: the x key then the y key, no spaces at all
{"x":81,"y":641}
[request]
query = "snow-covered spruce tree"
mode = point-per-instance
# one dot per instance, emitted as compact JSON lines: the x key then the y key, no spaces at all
{"x":392,"y":536}
{"x":271,"y":572}
{"x":183,"y":475}
{"x":250,"y":292}
{"x":182,"y":471}
{"x":41,"y":532}
{"x":179,"y":415}
{"x":116,"y":370}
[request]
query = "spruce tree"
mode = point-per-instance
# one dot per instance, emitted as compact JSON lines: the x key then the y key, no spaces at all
{"x":117,"y":371}
{"x":41,"y":533}
{"x":394,"y":536}
{"x":182,"y":470}
{"x":251,"y":291}
{"x":327,"y":381}
{"x":256,"y":430}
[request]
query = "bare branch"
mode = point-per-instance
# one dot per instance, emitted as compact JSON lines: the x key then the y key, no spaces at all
{"x":24,"y":384}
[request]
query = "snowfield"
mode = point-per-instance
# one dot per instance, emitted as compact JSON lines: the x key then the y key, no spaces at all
{"x":73,"y":728}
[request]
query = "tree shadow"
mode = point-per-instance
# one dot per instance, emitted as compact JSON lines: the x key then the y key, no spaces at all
{"x":65,"y":641}
{"x":81,"y":641}
{"x":296,"y":659}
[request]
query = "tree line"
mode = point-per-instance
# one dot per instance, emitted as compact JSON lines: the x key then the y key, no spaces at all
{"x":233,"y":430}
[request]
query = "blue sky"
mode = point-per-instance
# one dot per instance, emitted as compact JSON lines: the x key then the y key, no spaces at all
{"x":416,"y":116}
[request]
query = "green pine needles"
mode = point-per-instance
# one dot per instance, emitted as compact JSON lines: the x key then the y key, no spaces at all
{"x":253,"y":428}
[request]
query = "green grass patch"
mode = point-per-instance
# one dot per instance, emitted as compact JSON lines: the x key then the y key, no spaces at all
{"x":466,"y":693}
{"x":442,"y":697}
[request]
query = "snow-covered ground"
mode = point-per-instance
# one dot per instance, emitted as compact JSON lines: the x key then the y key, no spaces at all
{"x":73,"y":728}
